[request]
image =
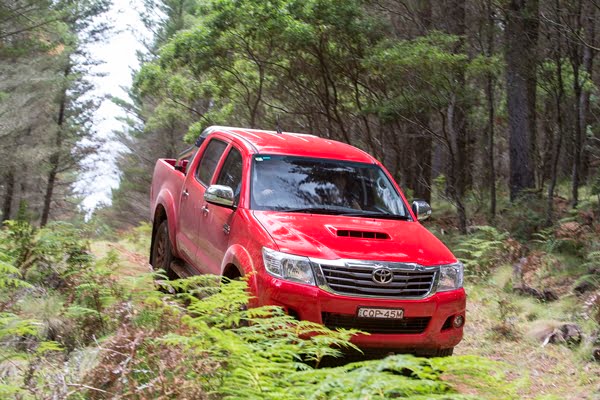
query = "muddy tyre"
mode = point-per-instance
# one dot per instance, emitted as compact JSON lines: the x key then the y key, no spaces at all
{"x":162,"y":252}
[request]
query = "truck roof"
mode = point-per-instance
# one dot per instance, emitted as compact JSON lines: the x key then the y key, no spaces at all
{"x":289,"y":143}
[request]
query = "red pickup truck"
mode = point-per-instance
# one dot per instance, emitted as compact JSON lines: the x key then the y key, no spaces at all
{"x":319,"y":227}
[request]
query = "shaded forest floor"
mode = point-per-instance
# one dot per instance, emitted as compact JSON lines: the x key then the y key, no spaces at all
{"x":501,"y":326}
{"x":551,"y":371}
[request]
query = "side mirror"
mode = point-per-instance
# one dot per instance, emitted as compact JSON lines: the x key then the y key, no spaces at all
{"x":220,"y":195}
{"x":422,"y":209}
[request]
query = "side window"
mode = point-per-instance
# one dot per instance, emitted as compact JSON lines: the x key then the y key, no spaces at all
{"x":209,"y":161}
{"x":231,"y":173}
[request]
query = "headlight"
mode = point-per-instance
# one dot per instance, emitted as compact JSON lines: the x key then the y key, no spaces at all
{"x":451,"y":277}
{"x":289,"y":267}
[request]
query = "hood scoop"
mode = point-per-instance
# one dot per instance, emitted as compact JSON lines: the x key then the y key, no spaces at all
{"x":362,"y":234}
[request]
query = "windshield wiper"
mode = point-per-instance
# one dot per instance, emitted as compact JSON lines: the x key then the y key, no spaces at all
{"x":313,"y":210}
{"x":376,"y":214}
{"x":345,"y":213}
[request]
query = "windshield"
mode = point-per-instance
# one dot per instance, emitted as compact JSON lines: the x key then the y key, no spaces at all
{"x":298,"y":184}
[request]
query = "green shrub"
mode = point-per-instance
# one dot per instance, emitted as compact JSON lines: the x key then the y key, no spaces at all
{"x":214,"y":345}
{"x":483,"y":250}
{"x":54,"y":298}
{"x":523,"y":217}
{"x":10,"y":277}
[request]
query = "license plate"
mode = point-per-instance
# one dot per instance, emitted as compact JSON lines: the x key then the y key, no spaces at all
{"x":383,"y":313}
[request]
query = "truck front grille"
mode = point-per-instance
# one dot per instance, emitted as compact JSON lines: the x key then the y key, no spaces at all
{"x":351,"y":279}
{"x":413,"y":325}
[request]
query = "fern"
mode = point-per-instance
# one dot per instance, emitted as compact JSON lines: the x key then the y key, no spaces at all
{"x":12,"y":325}
{"x":202,"y":340}
{"x":483,"y":250}
{"x":262,"y":353}
{"x":13,"y":391}
{"x":48,"y":346}
{"x":592,"y":259}
{"x":547,"y":239}
{"x":10,"y":276}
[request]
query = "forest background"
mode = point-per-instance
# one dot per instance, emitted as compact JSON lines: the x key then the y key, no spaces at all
{"x":488,"y":109}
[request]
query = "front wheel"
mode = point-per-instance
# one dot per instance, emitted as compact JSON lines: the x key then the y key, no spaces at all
{"x":443,"y":352}
{"x":162,"y":253}
{"x":435,"y":352}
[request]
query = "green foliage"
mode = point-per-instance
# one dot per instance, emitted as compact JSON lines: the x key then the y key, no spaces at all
{"x":224,"y":348}
{"x":57,"y":249}
{"x":12,"y":325}
{"x":523,"y":218}
{"x":48,"y":346}
{"x":64,"y":300}
{"x":10,"y":278}
{"x":140,"y":237}
{"x":483,"y":250}
{"x":428,"y":62}
{"x":547,"y":239}
{"x":590,"y":280}
{"x":551,"y":243}
{"x":249,"y":70}
{"x":592,"y":259}
{"x":201,"y":339}
{"x":44,"y":111}
{"x":505,"y":328}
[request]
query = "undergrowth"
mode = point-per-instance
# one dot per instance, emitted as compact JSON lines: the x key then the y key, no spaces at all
{"x":70,"y":329}
{"x":485,"y":249}
{"x":225,"y":350}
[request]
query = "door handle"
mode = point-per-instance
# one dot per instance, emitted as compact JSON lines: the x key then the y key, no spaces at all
{"x":186,"y":193}
{"x":205,"y":209}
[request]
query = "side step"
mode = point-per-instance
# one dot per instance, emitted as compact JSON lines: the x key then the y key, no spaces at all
{"x":181,"y":269}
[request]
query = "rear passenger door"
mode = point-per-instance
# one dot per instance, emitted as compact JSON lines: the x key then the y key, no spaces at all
{"x":219,"y":219}
{"x":191,"y":211}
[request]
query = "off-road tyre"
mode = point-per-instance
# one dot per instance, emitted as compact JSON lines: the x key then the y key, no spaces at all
{"x":162,"y":252}
{"x":442,"y":352}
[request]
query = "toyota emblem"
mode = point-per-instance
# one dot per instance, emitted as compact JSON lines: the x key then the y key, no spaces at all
{"x":382,"y":276}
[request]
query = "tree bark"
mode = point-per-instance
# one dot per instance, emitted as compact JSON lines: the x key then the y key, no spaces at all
{"x":54,"y":161}
{"x":589,"y":29}
{"x":423,"y":145}
{"x":423,"y":150}
{"x":459,"y":170}
{"x":9,"y":183}
{"x":490,"y":94}
{"x":577,"y":133}
{"x":521,"y":41}
{"x":559,"y":125}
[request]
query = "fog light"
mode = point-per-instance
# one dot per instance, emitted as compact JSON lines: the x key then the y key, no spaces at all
{"x":458,"y":321}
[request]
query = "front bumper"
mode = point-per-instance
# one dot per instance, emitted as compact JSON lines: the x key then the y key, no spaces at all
{"x":314,"y":304}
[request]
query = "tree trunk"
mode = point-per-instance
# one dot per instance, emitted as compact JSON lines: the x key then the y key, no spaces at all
{"x":521,"y":42}
{"x":589,"y":14}
{"x":559,"y":125}
{"x":424,"y":144}
{"x":8,"y":194}
{"x":460,"y":165}
{"x":423,"y":149}
{"x":577,"y":135}
{"x":54,"y":161}
{"x":490,"y":94}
